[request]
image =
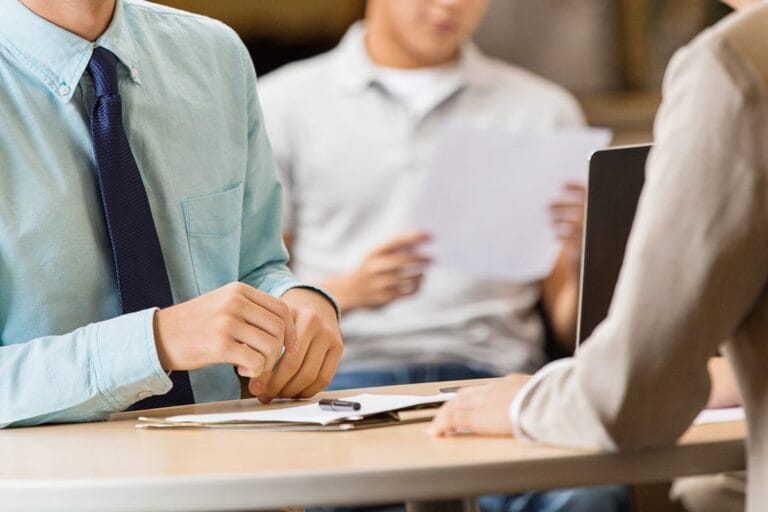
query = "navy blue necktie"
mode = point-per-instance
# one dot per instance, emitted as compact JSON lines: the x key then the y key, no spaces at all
{"x":142,"y":280}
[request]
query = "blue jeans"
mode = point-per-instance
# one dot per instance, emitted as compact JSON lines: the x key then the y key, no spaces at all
{"x":406,"y":374}
{"x":606,"y":498}
{"x":614,"y":498}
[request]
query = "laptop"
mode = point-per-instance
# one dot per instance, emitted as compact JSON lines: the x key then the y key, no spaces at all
{"x":616,"y":178}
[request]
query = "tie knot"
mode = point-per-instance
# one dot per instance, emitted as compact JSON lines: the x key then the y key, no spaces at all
{"x":103,"y":69}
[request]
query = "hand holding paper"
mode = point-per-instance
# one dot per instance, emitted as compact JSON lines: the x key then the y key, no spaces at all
{"x":486,"y":200}
{"x":391,"y":271}
{"x":567,"y":213}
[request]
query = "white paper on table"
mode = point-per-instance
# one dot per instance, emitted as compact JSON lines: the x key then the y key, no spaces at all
{"x":708,"y":416}
{"x":486,"y":198}
{"x":313,"y":414}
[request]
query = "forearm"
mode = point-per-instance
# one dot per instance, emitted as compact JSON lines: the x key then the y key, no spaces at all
{"x":342,"y":289}
{"x":81,"y":376}
{"x":560,"y":296}
{"x":724,"y":391}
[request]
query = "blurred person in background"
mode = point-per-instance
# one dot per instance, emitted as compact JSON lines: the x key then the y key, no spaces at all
{"x":353,"y":131}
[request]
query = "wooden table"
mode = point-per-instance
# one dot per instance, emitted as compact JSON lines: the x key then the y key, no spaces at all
{"x":111,"y":466}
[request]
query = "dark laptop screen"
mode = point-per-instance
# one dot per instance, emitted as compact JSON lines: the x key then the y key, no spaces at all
{"x":616,"y":178}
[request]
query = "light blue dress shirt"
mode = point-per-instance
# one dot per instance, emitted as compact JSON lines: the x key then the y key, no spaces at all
{"x":195,"y":127}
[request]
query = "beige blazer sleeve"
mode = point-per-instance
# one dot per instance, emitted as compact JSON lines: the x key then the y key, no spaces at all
{"x":695,"y":267}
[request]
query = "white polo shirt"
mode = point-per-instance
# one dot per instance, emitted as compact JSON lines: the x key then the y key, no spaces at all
{"x":352,"y":152}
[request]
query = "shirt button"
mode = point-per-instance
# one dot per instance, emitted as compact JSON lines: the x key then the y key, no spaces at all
{"x":144,"y":394}
{"x":135,"y":73}
{"x":64,"y":90}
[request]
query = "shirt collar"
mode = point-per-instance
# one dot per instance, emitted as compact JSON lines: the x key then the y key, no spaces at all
{"x":58,"y":57}
{"x":355,"y":70}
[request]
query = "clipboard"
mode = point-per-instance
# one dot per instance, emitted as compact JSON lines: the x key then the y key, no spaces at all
{"x":377,"y":411}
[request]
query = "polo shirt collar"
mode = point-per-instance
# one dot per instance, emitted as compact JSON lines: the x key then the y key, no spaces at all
{"x":355,"y":71}
{"x":59,"y":58}
{"x":473,"y":67}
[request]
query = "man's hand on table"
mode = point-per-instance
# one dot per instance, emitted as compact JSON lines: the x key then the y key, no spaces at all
{"x":308,"y":364}
{"x":482,"y":410}
{"x":235,"y":324}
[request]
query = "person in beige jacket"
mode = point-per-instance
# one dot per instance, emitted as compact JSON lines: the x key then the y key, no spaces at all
{"x":695,"y":274}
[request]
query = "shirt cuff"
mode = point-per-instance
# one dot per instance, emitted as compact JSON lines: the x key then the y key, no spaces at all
{"x":127,"y":366}
{"x":521,"y":399}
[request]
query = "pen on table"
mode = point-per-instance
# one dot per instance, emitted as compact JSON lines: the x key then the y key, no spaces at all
{"x":454,"y":389}
{"x":329,"y":404}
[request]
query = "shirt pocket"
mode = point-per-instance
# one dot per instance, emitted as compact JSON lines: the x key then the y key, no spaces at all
{"x":214,"y":225}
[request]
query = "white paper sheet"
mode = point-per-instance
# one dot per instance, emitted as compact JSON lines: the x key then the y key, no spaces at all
{"x":486,"y":198}
{"x":708,"y":416}
{"x":313,"y":414}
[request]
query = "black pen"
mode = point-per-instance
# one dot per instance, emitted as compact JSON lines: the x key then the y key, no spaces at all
{"x":330,"y":404}
{"x":454,"y":389}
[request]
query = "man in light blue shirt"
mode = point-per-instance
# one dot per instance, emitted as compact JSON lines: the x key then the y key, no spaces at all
{"x":192,"y":118}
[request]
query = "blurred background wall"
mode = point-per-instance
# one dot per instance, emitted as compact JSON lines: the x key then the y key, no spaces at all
{"x":610,"y":53}
{"x":569,"y":41}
